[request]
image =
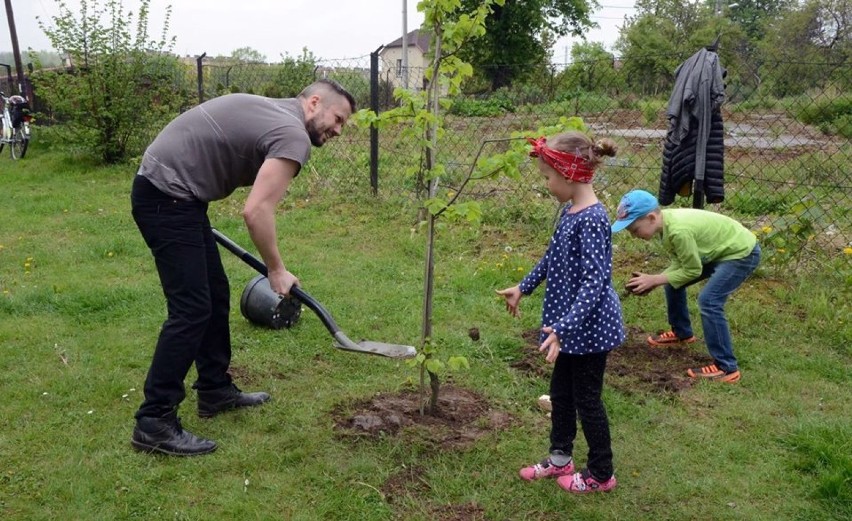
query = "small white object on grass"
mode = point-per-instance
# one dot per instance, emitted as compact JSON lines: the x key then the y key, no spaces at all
{"x":544,"y":403}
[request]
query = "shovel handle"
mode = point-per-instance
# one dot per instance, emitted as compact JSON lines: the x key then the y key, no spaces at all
{"x":295,"y":291}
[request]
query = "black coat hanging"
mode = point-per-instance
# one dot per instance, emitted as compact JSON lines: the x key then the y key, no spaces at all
{"x":694,"y":150}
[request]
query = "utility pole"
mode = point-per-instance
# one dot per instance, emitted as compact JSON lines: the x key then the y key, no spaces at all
{"x":15,"y":50}
{"x":404,"y":44}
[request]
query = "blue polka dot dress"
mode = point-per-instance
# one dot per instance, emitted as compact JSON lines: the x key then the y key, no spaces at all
{"x":580,"y":303}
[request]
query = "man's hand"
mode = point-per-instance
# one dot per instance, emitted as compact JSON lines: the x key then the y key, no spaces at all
{"x":551,"y":344}
{"x":281,"y":281}
{"x":513,"y":298}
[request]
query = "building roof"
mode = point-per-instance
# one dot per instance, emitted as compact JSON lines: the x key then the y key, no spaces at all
{"x":416,"y":38}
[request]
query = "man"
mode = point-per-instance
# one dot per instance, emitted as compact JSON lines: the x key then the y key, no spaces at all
{"x":203,"y":155}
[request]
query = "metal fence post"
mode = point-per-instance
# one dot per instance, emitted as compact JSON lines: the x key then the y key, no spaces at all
{"x":374,"y":132}
{"x":200,"y":78}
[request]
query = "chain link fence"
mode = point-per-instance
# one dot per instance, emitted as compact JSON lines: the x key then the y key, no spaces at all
{"x":787,"y":168}
{"x":786,"y":143}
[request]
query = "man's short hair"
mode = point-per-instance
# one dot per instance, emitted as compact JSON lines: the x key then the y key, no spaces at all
{"x":327,"y":86}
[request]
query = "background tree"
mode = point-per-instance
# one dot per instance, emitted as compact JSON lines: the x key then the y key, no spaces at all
{"x":592,"y":69}
{"x":247,"y":55}
{"x":663,"y":33}
{"x":754,"y":16}
{"x":649,"y":51}
{"x":124,"y":84}
{"x":519,"y":36}
{"x":817,"y":32}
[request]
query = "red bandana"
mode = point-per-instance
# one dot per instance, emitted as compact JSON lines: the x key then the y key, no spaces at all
{"x":571,"y":166}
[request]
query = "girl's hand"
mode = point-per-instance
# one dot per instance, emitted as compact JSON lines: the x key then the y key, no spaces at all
{"x":551,"y":344}
{"x":513,"y":298}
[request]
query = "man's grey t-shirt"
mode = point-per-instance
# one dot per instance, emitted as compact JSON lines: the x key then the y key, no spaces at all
{"x":212,"y":149}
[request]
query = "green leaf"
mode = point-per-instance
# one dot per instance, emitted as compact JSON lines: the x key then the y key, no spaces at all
{"x":435,"y":204}
{"x":456,"y":363}
{"x":433,"y":365}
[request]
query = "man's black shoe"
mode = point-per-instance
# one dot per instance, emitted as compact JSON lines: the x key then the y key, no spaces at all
{"x":166,"y":435}
{"x":211,"y":403}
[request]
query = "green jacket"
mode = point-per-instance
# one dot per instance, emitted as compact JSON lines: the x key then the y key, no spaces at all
{"x":693,"y":238}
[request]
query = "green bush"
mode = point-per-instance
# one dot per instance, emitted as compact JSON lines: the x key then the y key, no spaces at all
{"x":487,"y":107}
{"x":758,"y":205}
{"x":122,"y":86}
{"x":293,"y":75}
{"x":841,"y":126}
{"x":831,"y":115}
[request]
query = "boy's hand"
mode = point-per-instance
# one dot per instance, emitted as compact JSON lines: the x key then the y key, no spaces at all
{"x":642,"y":283}
{"x":513,"y":298}
{"x":551,"y":344}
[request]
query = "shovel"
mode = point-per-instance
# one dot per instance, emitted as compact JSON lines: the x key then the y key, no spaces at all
{"x":341,"y":341}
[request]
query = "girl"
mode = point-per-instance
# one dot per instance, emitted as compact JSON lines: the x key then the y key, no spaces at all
{"x":581,"y":316}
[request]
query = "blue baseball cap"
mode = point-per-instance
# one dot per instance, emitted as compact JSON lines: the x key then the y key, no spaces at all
{"x":634,"y":204}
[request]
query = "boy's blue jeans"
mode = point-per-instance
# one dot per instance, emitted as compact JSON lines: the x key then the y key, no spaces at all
{"x":724,"y":277}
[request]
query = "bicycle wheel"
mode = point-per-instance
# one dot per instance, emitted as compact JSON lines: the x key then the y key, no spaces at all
{"x":19,"y":144}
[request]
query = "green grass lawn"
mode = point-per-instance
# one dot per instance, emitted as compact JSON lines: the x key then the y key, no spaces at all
{"x":81,"y":307}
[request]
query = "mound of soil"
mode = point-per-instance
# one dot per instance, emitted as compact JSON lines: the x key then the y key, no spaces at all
{"x":463,"y":417}
{"x":634,"y":367}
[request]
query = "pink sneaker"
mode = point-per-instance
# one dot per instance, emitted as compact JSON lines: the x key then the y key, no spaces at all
{"x":583,"y":483}
{"x":546,"y":469}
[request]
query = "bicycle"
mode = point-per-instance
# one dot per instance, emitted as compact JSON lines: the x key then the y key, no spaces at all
{"x":15,"y":125}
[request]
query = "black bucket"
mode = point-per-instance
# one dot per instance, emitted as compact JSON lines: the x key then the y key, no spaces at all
{"x":262,"y":306}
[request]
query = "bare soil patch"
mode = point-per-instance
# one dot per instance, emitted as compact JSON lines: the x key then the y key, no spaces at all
{"x":634,"y":367}
{"x":463,"y":417}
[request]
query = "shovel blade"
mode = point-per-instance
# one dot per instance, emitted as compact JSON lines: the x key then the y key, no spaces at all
{"x":341,"y":341}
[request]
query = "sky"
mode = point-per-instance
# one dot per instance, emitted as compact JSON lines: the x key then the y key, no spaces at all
{"x":330,"y":29}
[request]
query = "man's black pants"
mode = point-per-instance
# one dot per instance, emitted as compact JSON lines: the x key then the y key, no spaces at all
{"x":197,"y":295}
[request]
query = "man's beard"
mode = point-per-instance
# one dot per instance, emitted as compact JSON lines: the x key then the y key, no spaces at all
{"x":317,"y":136}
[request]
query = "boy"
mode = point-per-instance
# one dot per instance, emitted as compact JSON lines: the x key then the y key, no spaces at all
{"x":701,"y":245}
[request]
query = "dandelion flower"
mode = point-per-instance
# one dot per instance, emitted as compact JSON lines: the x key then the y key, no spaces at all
{"x":766,"y":229}
{"x":847,"y":250}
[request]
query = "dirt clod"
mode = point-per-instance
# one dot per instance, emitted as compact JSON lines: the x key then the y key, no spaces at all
{"x":473,"y":333}
{"x":633,"y":367}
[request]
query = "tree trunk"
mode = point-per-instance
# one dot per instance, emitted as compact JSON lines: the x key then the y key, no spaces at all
{"x":429,"y":283}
